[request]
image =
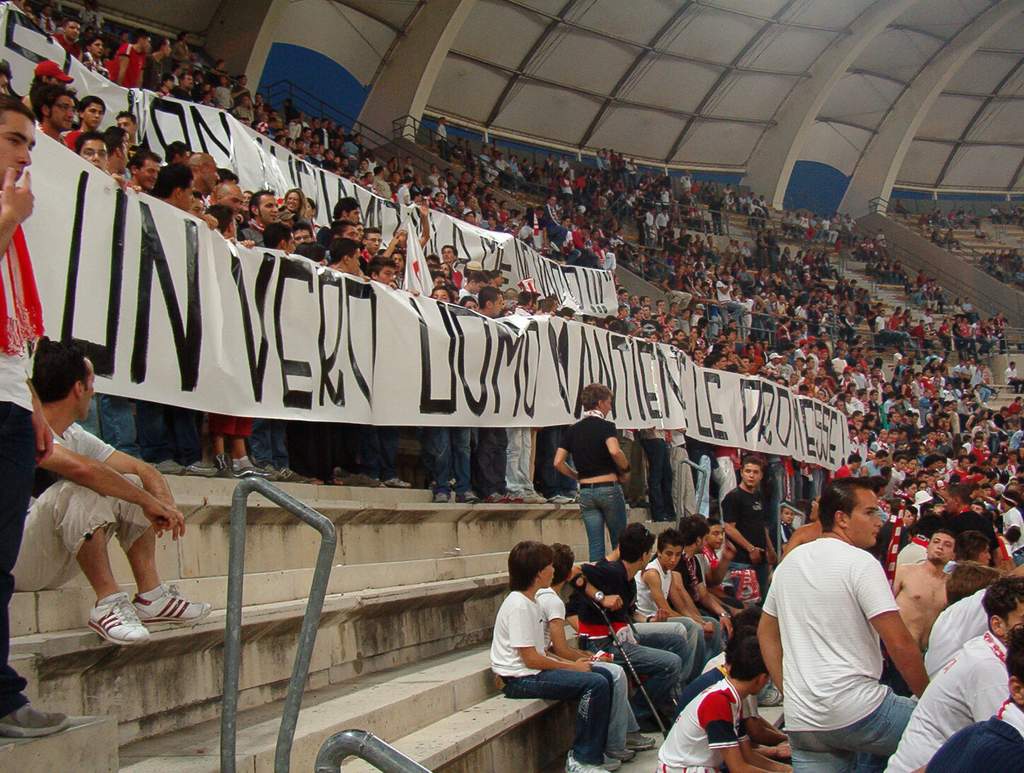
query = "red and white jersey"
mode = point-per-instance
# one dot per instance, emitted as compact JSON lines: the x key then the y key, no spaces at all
{"x":709,"y":723}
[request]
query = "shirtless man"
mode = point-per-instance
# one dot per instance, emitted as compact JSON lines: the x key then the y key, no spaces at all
{"x":920,"y":589}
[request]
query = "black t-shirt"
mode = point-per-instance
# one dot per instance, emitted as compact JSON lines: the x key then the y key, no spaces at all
{"x":586,"y":441}
{"x":746,"y":512}
{"x":609,"y":577}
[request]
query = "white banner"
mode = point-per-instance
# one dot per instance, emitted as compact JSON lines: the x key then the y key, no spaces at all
{"x":169,"y":311}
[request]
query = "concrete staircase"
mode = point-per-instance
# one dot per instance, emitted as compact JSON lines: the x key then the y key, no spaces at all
{"x":401,"y":648}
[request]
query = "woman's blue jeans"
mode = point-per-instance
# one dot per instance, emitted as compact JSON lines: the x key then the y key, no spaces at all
{"x":602,"y":506}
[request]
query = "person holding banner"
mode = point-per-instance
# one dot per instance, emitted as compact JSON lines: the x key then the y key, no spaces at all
{"x":600,"y":469}
{"x":25,"y":439}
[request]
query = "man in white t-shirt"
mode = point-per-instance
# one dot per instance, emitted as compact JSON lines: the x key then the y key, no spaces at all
{"x":24,"y":438}
{"x":827,"y":606}
{"x":970,"y":688}
{"x":958,"y":623}
{"x":518,"y":656}
{"x":90,"y":492}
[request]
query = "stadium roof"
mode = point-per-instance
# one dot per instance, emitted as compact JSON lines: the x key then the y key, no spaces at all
{"x":731,"y":84}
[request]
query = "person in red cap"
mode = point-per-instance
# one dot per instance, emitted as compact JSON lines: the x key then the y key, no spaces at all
{"x":49,"y":72}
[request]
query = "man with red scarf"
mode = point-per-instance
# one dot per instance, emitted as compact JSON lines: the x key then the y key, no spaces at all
{"x":24,"y":437}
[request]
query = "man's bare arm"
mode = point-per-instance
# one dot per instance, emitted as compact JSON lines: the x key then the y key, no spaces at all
{"x":106,"y":481}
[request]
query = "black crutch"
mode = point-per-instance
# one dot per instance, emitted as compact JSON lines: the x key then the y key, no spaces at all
{"x":629,"y":667}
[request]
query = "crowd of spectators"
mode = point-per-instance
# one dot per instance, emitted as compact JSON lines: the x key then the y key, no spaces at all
{"x":940,"y":460}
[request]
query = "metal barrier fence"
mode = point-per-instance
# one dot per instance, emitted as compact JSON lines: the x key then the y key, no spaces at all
{"x":366,"y":746}
{"x":233,"y":622}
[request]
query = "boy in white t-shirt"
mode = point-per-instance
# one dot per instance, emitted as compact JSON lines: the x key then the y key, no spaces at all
{"x":708,"y":733}
{"x":518,"y":656}
{"x":624,"y":737}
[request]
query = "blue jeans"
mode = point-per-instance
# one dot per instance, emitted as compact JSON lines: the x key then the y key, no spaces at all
{"x":863,"y":746}
{"x":659,"y":479}
{"x":267,"y":444}
{"x":694,"y":655}
{"x":17,"y":468}
{"x":600,"y":506}
{"x":91,"y":423}
{"x":489,"y":459}
{"x":659,"y":657}
{"x":379,"y":452}
{"x":167,"y":432}
{"x":592,"y":689}
{"x":446,"y":456}
{"x":117,"y":424}
{"x":552,"y":482}
{"x":620,"y":717}
{"x":776,"y":487}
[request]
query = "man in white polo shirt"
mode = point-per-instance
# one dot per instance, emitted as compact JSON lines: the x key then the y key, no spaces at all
{"x":970,"y":688}
{"x":827,"y":607}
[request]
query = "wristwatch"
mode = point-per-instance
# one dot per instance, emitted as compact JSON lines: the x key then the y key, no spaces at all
{"x":725,"y":616}
{"x":599,"y":597}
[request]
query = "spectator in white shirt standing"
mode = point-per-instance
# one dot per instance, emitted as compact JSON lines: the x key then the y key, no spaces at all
{"x":827,"y":607}
{"x":970,"y":688}
{"x":24,"y":438}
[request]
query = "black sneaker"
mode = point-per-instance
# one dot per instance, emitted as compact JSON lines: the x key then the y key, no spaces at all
{"x":27,"y":722}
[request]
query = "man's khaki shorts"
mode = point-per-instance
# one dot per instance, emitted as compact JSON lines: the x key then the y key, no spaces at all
{"x":57,"y":525}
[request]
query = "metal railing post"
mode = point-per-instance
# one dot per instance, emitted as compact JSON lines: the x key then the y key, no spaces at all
{"x":366,"y":746}
{"x":233,"y":619}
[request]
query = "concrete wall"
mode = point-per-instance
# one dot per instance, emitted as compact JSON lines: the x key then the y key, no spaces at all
{"x":952,"y":272}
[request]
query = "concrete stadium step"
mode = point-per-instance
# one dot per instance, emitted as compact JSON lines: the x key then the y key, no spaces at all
{"x":437,"y":711}
{"x":424,"y":542}
{"x":89,"y":745}
{"x":175,"y":680}
{"x":412,"y":579}
{"x":498,"y":735}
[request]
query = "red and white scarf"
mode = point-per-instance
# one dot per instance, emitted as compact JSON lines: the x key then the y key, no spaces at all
{"x":21,"y":313}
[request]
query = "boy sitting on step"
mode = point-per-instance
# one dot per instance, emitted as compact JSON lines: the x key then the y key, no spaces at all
{"x":518,"y":657}
{"x":708,"y":733}
{"x":87,"y":492}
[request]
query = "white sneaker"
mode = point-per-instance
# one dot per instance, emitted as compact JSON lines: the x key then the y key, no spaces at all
{"x":117,"y":622}
{"x":532,"y":498}
{"x":170,"y":607}
{"x":572,"y":765}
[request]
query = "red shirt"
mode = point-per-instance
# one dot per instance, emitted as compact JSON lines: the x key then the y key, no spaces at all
{"x":75,"y":49}
{"x":133,"y":72}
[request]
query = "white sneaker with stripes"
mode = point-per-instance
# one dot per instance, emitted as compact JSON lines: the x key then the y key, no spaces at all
{"x":170,"y":607}
{"x":116,"y":621}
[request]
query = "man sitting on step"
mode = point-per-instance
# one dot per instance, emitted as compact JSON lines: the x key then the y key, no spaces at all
{"x":87,"y":492}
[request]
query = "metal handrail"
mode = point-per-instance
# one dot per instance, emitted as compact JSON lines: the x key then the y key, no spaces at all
{"x":233,"y":620}
{"x":366,"y":746}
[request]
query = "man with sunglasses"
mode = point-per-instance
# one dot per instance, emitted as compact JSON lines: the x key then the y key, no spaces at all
{"x":828,"y":606}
